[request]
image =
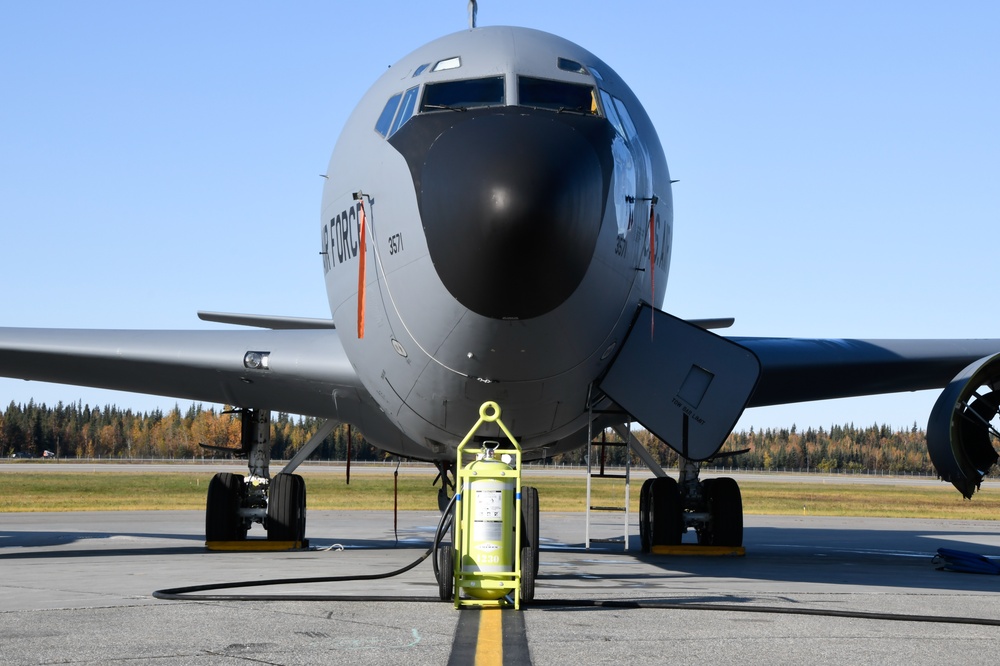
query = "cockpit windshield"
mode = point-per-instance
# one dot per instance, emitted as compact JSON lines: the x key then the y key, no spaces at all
{"x":462,"y":95}
{"x":556,"y":95}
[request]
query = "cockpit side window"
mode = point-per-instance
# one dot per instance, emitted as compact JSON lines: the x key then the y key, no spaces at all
{"x":626,"y":120}
{"x":461,"y":95}
{"x":384,"y":121}
{"x":448,"y":63}
{"x":556,"y":95}
{"x":609,"y":110}
{"x":405,"y":109}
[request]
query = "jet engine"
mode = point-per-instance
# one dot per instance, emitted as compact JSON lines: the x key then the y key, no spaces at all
{"x":964,"y":426}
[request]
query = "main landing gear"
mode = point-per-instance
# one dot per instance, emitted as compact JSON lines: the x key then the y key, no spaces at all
{"x":668,"y":508}
{"x":235,"y":501}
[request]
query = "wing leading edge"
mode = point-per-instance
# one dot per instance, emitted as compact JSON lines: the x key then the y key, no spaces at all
{"x":302,"y":371}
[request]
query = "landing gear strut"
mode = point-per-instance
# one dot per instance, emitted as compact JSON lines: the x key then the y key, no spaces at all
{"x":447,"y":476}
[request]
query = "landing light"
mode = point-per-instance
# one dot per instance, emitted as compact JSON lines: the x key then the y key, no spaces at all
{"x":255,"y":360}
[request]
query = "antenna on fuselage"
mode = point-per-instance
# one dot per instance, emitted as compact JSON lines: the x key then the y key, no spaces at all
{"x":473,"y":10}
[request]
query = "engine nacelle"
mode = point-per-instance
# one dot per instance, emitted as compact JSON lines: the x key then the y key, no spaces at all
{"x":964,"y":426}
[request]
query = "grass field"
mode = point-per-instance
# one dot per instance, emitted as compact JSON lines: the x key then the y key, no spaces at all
{"x":127,"y":491}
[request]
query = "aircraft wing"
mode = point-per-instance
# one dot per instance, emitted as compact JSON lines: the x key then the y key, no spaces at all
{"x":296,"y":371}
{"x":693,"y":399}
{"x":960,"y":433}
{"x":798,"y":370}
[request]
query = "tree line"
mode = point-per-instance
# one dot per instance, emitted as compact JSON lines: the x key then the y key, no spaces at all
{"x":81,"y":431}
{"x":876,"y":449}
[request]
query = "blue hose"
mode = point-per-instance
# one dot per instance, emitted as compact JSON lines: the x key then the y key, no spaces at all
{"x":965,"y":562}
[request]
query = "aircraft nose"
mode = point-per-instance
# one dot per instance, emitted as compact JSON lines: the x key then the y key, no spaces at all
{"x":511,"y":202}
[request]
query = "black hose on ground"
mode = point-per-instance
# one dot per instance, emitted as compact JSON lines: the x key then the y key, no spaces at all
{"x":191,"y":593}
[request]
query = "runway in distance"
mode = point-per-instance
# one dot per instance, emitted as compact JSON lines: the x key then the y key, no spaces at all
{"x":497,"y":225}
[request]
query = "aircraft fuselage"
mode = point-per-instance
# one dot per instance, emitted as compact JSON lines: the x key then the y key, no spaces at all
{"x":508,"y":178}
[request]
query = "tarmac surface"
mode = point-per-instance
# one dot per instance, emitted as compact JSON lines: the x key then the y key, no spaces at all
{"x":76,"y":588}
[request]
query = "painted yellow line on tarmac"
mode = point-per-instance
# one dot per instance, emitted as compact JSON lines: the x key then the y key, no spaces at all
{"x":489,"y":644}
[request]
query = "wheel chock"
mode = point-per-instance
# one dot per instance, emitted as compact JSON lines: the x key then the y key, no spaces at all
{"x":700,"y":551}
{"x":256,"y":546}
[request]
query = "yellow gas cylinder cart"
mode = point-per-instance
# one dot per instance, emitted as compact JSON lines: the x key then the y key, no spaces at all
{"x":488,"y":565}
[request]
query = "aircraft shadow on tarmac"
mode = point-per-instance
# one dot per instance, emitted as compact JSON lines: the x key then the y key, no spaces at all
{"x":103,"y":544}
{"x":97,"y":544}
{"x":900,"y":558}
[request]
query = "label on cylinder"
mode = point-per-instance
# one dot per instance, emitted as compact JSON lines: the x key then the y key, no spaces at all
{"x":489,"y":505}
{"x":488,"y":544}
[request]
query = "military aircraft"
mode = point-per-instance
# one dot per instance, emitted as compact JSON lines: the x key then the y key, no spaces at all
{"x":497,"y":225}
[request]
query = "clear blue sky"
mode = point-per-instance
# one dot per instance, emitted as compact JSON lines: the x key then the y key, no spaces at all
{"x":838,"y":162}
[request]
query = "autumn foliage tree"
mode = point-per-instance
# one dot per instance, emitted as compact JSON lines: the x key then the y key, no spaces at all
{"x":82,"y":431}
